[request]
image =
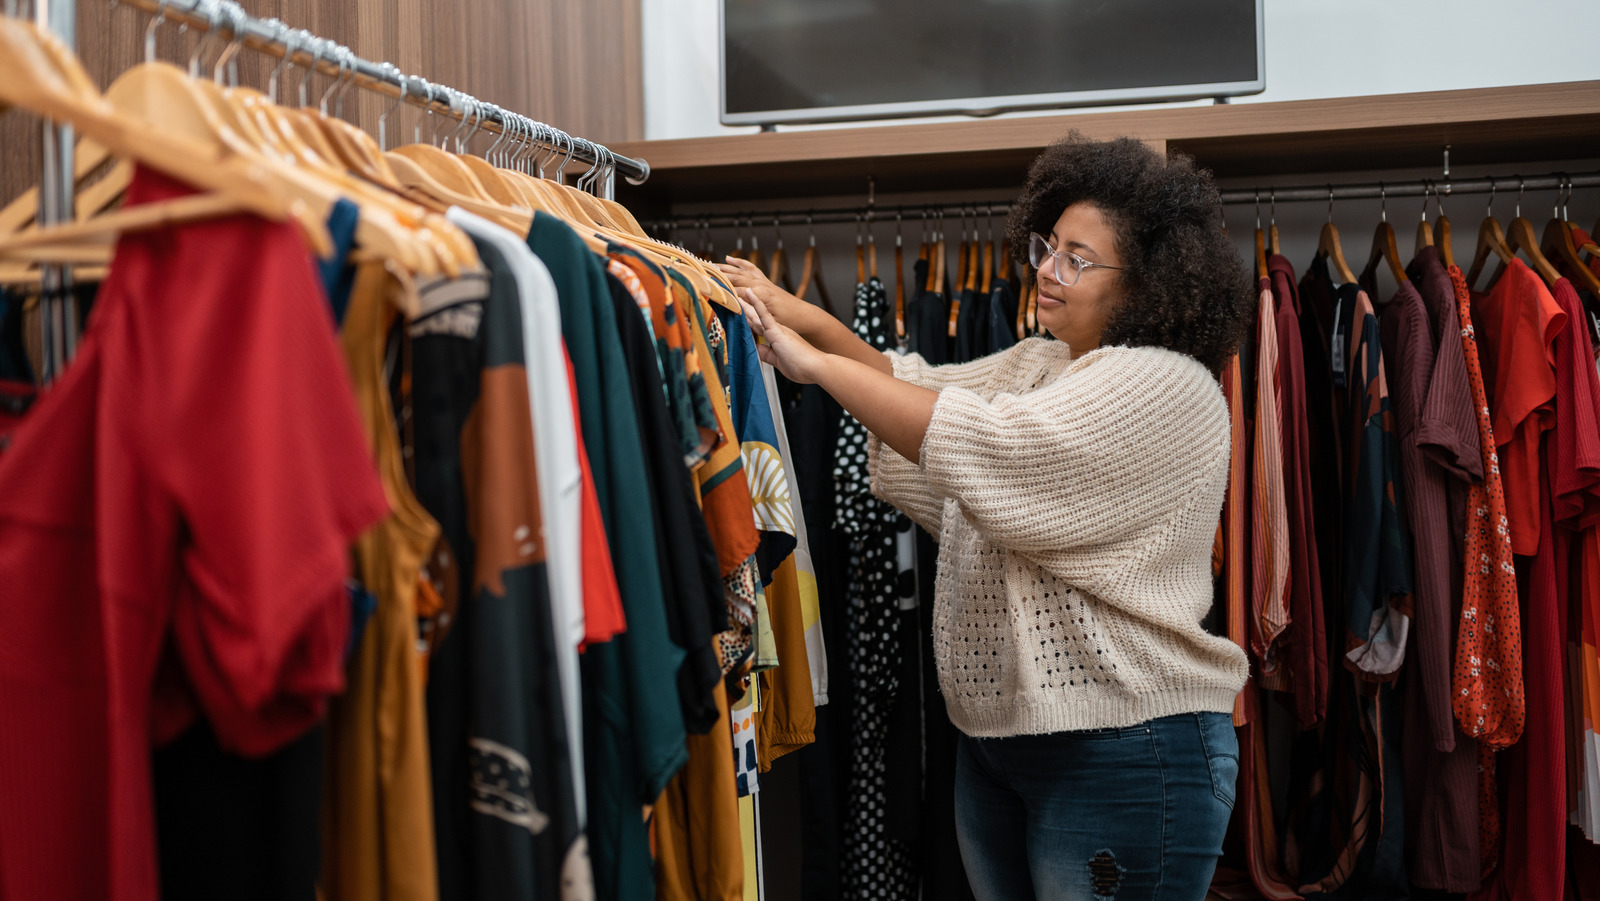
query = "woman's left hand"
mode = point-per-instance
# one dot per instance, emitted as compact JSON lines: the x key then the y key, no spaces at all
{"x":791,"y":354}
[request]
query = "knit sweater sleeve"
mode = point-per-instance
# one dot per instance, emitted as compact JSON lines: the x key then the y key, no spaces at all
{"x":974,"y":376}
{"x":1100,"y":454}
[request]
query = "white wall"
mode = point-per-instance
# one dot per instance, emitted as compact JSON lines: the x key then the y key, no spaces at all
{"x":1314,"y":49}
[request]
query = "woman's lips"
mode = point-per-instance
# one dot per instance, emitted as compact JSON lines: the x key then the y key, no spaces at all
{"x":1047,"y":300}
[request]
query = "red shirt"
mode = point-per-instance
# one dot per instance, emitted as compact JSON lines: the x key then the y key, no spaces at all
{"x":1517,"y":322}
{"x":602,"y":603}
{"x":175,"y":513}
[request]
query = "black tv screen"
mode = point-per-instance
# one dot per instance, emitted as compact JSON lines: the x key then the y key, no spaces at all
{"x":829,"y":60}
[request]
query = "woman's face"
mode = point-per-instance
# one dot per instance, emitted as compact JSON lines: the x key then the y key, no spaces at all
{"x":1077,"y":314}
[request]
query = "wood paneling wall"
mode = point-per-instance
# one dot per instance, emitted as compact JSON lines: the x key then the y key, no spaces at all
{"x":575,"y":64}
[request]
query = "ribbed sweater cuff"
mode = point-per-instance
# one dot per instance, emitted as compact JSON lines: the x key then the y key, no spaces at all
{"x":1103,"y":713}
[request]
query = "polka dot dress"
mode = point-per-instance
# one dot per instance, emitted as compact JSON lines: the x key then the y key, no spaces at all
{"x":876,"y":866}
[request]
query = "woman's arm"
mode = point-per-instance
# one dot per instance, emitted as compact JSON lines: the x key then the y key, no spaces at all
{"x":897,"y":412}
{"x":811,"y":322}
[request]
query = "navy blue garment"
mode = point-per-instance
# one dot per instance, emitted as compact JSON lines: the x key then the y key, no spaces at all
{"x":14,"y":364}
{"x":337,"y":277}
{"x":1002,"y":316}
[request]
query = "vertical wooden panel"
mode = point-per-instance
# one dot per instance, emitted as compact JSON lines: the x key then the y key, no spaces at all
{"x":572,"y":63}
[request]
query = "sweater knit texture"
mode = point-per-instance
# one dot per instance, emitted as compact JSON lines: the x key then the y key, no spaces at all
{"x":1075,"y":502}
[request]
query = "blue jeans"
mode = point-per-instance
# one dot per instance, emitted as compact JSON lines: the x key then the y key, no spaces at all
{"x":1135,"y":814}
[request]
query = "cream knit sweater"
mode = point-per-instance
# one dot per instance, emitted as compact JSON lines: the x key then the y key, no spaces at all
{"x":1075,"y":502}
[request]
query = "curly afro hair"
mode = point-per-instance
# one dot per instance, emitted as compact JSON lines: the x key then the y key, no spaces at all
{"x":1185,"y":287}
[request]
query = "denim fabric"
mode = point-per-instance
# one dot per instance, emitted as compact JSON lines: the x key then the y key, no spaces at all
{"x":1134,"y":814}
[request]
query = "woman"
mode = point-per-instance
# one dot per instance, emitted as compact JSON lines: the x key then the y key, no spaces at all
{"x":1075,"y":486}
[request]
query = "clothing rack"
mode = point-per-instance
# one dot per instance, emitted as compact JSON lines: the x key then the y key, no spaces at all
{"x":58,"y":341}
{"x":274,"y":38}
{"x":1444,"y":186}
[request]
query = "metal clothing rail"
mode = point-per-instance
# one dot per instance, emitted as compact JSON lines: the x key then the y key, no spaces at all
{"x":914,"y":214}
{"x":1445,"y":186}
{"x":304,"y":49}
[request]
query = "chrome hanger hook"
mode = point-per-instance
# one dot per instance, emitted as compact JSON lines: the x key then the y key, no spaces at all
{"x":1258,"y":209}
{"x":1488,"y":208}
{"x":897,"y":222}
{"x":318,"y":46}
{"x":349,"y":80}
{"x":550,"y":148}
{"x":478,"y":109}
{"x":513,"y":130}
{"x":1426,"y":184}
{"x":572,"y":150}
{"x":469,"y":107}
{"x":1272,"y":199}
{"x":1330,"y":203}
{"x":228,"y":60}
{"x":427,"y":106}
{"x":159,"y":19}
{"x":284,"y":35}
{"x":452,"y":102}
{"x":1522,"y":185}
{"x":383,"y":119}
{"x":491,"y":153}
{"x":322,"y":102}
{"x":213,"y":22}
{"x":1383,"y":200}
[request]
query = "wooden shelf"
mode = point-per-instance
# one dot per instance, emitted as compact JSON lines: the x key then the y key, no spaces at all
{"x":1486,"y":125}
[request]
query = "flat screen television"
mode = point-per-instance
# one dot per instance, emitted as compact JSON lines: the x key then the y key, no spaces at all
{"x":832,"y":60}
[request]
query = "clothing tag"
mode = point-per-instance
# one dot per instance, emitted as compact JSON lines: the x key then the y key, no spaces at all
{"x":1337,"y":350}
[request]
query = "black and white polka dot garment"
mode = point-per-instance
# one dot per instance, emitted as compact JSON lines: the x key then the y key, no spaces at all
{"x":876,"y":866}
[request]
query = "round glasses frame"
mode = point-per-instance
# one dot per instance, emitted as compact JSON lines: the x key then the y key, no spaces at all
{"x":1039,"y":250}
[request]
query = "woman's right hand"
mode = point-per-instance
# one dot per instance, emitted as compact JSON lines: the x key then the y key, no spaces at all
{"x":807,"y":320}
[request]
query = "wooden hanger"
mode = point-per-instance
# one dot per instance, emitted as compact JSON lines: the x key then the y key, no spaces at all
{"x":899,"y":283}
{"x":87,"y":158}
{"x":1441,"y":238}
{"x":861,"y":254}
{"x":988,"y":268}
{"x":1022,"y":309}
{"x":812,"y":274}
{"x":1328,"y":246}
{"x":1490,"y":240}
{"x":872,"y":250}
{"x":1520,"y":236}
{"x":1272,"y":225}
{"x":1424,"y":232}
{"x":778,"y":273}
{"x":963,"y":258}
{"x":39,"y":74}
{"x":1383,"y":247}
{"x":1558,"y":245}
{"x":1261,"y":241}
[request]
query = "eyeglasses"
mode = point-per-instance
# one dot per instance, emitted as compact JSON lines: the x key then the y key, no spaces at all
{"x":1069,"y":266}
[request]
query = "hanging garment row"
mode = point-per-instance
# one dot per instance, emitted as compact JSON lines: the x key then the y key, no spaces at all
{"x":1345,"y":563}
{"x":1406,"y":556}
{"x":383,"y":539}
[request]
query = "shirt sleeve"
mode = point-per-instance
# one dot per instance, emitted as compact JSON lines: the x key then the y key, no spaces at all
{"x":1100,"y":454}
{"x":1448,"y":430}
{"x":235,"y":391}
